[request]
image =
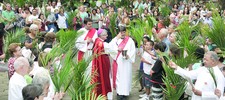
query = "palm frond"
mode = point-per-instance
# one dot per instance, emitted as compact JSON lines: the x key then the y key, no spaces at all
{"x":216,"y":33}
{"x":112,"y":25}
{"x":67,"y":39}
{"x":185,"y":35}
{"x":137,"y":30}
{"x":11,"y":37}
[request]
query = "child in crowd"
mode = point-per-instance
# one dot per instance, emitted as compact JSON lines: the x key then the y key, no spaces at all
{"x":141,"y":71}
{"x":148,"y":63}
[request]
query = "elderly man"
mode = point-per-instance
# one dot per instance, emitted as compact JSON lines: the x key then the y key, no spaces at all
{"x":43,"y":79}
{"x":162,"y":36}
{"x":17,"y":81}
{"x":101,"y":63}
{"x":206,"y":88}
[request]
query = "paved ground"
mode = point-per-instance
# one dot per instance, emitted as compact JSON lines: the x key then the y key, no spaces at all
{"x":4,"y":83}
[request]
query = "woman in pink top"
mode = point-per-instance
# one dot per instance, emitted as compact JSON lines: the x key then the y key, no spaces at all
{"x":15,"y":52}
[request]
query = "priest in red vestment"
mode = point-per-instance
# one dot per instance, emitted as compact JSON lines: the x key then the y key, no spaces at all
{"x":101,"y":65}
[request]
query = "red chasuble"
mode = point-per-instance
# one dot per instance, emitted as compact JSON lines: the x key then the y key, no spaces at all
{"x":100,"y":69}
{"x":90,"y":34}
{"x":115,"y":66}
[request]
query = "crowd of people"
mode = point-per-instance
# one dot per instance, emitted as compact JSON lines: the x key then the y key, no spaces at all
{"x":29,"y":79}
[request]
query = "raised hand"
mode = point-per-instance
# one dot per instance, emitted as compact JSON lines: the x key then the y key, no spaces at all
{"x":196,"y":92}
{"x":172,"y":65}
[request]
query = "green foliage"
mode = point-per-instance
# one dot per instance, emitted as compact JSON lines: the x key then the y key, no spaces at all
{"x":138,"y":28}
{"x":165,"y":11}
{"x":63,"y":71}
{"x":184,"y":62}
{"x":123,"y":3}
{"x":164,"y":6}
{"x":175,"y":84}
{"x":67,"y":39}
{"x":13,"y":37}
{"x":184,"y":36}
{"x":217,"y":32}
{"x":210,"y":5}
{"x":112,"y":25}
{"x":71,"y":16}
{"x":70,"y":75}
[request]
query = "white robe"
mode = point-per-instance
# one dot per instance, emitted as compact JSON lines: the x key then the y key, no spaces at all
{"x":124,"y":70}
{"x":16,"y":83}
{"x":204,"y":82}
{"x":82,"y":44}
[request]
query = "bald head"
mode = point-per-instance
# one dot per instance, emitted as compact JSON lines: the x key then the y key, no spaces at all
{"x":20,"y":62}
{"x":163,"y":33}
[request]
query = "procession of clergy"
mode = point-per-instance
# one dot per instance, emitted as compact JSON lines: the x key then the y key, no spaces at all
{"x":91,"y":42}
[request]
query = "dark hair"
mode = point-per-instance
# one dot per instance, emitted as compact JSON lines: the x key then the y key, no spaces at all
{"x":40,"y":15}
{"x":161,"y":46}
{"x":94,"y":10}
{"x":31,"y":91}
{"x":122,"y":28}
{"x":147,"y":38}
{"x":221,"y":59}
{"x":151,"y":42}
{"x":86,"y":20}
{"x":199,"y":53}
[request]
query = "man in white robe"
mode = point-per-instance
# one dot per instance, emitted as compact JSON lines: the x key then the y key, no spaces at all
{"x":84,"y":43}
{"x":122,"y":66}
{"x":17,"y":81}
{"x":205,"y":88}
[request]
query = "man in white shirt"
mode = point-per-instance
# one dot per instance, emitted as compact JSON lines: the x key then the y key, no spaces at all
{"x":17,"y":81}
{"x":205,"y":88}
{"x":55,"y":6}
{"x":32,"y":17}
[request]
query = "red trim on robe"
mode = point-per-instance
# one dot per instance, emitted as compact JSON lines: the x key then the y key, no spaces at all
{"x":90,"y":34}
{"x":115,"y":65}
{"x":100,"y":69}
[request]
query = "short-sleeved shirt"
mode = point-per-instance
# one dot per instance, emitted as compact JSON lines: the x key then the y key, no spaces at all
{"x":147,"y":67}
{"x":157,"y":76}
{"x":8,"y":15}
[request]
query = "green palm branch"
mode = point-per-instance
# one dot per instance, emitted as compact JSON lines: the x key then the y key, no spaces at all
{"x":216,"y":33}
{"x":137,"y":29}
{"x":112,"y":25}
{"x":185,"y":35}
{"x":70,"y":18}
{"x":67,"y":39}
{"x":175,"y":84}
{"x":13,"y":37}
